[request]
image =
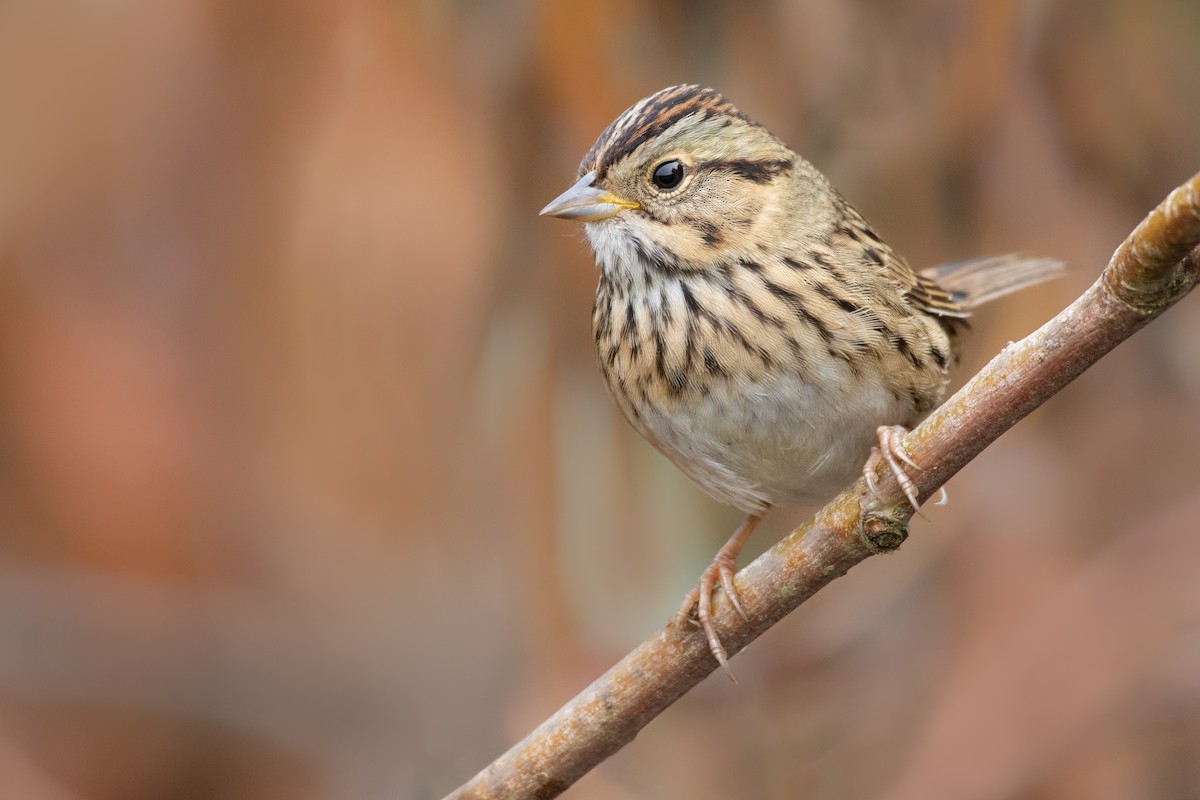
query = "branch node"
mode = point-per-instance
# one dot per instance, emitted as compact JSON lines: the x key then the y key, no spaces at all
{"x":1151,"y":269}
{"x":883,"y":531}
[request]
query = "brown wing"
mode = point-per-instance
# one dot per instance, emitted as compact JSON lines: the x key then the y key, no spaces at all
{"x":922,"y":289}
{"x":929,"y":295}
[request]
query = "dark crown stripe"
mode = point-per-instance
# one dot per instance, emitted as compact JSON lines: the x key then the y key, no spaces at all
{"x":650,"y":117}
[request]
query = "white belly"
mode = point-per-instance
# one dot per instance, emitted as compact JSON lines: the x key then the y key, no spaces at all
{"x":788,"y":443}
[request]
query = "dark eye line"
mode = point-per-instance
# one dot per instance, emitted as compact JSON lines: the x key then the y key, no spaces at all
{"x":760,"y":171}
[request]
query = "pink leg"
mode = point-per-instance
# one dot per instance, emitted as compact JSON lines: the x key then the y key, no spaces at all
{"x":891,"y":450}
{"x":700,"y":598}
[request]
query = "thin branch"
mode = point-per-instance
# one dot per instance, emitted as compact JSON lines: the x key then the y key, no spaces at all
{"x":1156,"y":266}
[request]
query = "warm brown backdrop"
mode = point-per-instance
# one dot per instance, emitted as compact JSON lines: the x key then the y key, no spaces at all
{"x":309,"y":487}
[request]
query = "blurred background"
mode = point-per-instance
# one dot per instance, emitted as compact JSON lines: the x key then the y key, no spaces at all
{"x":309,"y":485}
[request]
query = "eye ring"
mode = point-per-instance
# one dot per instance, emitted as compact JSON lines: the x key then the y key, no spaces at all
{"x":668,"y":175}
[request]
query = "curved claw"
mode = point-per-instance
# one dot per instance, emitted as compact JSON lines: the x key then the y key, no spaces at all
{"x":891,"y":451}
{"x":700,"y":598}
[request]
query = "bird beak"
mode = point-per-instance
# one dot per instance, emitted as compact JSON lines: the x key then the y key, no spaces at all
{"x":586,"y":203}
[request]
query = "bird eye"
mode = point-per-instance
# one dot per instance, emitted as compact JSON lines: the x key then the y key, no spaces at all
{"x":668,"y":174}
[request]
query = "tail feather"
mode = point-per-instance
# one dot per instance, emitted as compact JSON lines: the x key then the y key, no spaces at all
{"x":976,"y":281}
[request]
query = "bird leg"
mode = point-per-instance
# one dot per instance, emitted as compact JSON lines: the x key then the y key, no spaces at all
{"x":891,"y":450}
{"x":700,"y":598}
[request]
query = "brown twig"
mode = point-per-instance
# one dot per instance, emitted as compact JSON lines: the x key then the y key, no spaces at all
{"x":1156,"y":266}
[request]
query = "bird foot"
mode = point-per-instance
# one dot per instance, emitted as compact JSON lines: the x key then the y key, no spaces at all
{"x":891,"y":451}
{"x":721,"y":571}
